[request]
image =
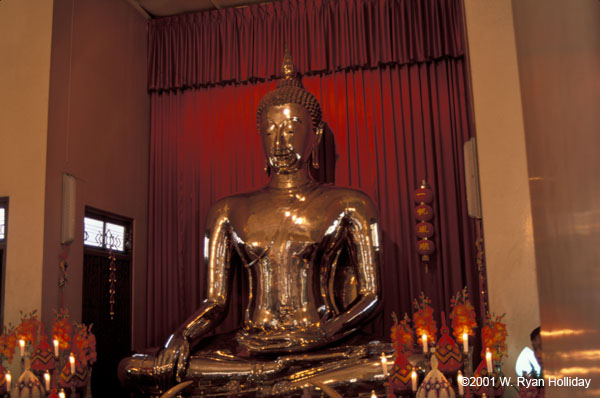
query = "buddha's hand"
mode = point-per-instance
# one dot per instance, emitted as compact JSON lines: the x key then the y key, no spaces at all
{"x":171,"y":362}
{"x":284,"y":341}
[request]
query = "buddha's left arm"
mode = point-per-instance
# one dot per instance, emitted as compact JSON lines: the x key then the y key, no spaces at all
{"x":361,"y":231}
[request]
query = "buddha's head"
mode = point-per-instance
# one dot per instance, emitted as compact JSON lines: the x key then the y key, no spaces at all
{"x":289,"y":121}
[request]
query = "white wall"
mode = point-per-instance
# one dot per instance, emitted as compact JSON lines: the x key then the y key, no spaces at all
{"x":25,"y":32}
{"x":508,"y":235}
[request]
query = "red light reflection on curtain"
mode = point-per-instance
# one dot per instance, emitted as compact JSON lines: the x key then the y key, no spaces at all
{"x":393,"y":127}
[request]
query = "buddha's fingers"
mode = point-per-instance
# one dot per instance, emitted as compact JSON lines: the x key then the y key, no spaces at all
{"x":326,"y":389}
{"x":177,"y":389}
{"x":163,"y":368}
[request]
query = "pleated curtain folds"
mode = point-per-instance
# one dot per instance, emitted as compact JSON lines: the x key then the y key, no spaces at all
{"x":390,"y":77}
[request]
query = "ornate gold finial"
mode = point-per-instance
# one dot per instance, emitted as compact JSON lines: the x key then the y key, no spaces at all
{"x":287,"y":66}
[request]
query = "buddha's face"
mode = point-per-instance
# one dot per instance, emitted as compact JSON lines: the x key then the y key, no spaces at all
{"x":287,"y":137}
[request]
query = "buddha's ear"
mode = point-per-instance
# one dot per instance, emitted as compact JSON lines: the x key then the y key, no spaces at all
{"x":315,"y":150}
{"x":319,"y":133}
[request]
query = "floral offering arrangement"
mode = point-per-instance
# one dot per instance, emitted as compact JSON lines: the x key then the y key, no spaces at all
{"x":84,"y":344}
{"x":62,"y":328}
{"x":423,"y":318}
{"x":402,"y":334}
{"x":8,"y":344}
{"x":494,"y":337}
{"x":44,"y":363}
{"x":463,"y":315}
{"x":27,"y":330}
{"x":453,"y":353}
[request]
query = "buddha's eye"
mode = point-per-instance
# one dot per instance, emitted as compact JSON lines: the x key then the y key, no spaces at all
{"x":269,"y":127}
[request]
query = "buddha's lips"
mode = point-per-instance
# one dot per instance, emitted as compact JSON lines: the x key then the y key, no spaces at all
{"x":285,"y":158}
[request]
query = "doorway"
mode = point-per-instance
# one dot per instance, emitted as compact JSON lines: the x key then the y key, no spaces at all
{"x":107,"y":295}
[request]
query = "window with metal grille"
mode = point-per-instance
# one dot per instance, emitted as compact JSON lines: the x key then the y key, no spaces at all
{"x":3,"y":233}
{"x":105,"y":231}
{"x":3,"y":215}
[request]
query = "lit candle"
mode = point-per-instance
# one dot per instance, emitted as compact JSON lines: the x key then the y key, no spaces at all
{"x":22,"y":347}
{"x":465,"y":342}
{"x":47,"y":380}
{"x":425,"y":346}
{"x":72,"y":362}
{"x":488,"y":361}
{"x":413,"y":379}
{"x":384,"y":364}
{"x":373,"y":395}
{"x":55,"y":342}
{"x":461,"y":388}
{"x":8,"y":378}
{"x":61,"y":394}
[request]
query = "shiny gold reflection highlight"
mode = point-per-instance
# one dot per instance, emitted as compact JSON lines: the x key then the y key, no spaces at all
{"x":565,"y":332}
{"x":583,"y":355}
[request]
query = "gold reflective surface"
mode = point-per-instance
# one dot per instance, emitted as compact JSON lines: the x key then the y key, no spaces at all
{"x":310,"y":253}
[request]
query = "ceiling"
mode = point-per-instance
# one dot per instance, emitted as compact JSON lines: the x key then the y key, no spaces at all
{"x":163,"y":8}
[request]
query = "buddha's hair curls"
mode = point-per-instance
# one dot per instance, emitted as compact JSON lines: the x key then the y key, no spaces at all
{"x":290,"y":91}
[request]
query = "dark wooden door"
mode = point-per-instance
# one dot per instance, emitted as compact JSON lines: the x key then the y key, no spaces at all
{"x":113,"y":336}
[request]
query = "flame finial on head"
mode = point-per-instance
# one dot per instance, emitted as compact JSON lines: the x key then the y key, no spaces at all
{"x":287,"y":66}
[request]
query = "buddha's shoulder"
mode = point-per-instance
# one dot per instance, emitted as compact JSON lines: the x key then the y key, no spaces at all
{"x":341,"y":194}
{"x":324,"y":196}
{"x":344,"y":198}
{"x":225,"y":205}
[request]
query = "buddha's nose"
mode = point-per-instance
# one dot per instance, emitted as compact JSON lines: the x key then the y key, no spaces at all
{"x":279,"y":139}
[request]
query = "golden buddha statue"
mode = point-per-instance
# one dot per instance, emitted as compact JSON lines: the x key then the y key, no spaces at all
{"x":310,"y":253}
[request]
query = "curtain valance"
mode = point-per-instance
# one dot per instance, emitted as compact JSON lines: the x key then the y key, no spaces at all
{"x":246,"y":44}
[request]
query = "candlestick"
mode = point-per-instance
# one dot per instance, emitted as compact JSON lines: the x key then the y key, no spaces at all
{"x":488,"y":361}
{"x":373,"y":395}
{"x":459,"y":380}
{"x":465,"y":342}
{"x":425,"y":346}
{"x":47,"y":381}
{"x":413,"y":379}
{"x":61,"y":394}
{"x":384,"y":364}
{"x":55,"y":342}
{"x":72,"y":362}
{"x":8,"y":378}
{"x":22,"y":347}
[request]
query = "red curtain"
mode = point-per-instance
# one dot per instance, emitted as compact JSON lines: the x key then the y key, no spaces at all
{"x":392,"y":126}
{"x":246,"y":44}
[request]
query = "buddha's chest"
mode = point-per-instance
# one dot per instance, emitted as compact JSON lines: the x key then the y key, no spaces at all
{"x":279,"y":226}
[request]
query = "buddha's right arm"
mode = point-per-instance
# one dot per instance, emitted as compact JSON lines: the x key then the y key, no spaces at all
{"x":172,"y":360}
{"x":217,"y":252}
